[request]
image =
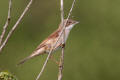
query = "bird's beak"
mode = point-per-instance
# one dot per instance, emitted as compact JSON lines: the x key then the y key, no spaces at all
{"x":76,"y":22}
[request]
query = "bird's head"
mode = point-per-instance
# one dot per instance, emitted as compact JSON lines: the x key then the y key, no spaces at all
{"x":70,"y":23}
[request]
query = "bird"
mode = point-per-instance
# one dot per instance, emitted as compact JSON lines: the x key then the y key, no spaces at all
{"x":46,"y":45}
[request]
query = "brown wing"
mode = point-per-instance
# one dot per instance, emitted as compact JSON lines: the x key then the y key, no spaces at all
{"x":49,"y":40}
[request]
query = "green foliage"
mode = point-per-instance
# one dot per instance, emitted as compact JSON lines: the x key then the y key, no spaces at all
{"x":7,"y":76}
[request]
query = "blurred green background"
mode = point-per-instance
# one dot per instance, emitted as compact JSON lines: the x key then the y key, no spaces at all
{"x":92,"y":50}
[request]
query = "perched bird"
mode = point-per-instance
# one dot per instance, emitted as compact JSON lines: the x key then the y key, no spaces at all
{"x":46,"y":45}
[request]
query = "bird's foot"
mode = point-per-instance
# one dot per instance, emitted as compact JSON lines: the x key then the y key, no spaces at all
{"x":54,"y":60}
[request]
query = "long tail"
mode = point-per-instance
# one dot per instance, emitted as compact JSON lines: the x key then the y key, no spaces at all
{"x":35,"y":53}
{"x":24,"y":60}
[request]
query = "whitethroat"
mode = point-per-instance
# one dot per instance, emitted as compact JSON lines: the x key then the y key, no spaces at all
{"x":46,"y":45}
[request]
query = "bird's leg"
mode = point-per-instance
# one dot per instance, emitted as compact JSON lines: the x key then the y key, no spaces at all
{"x":54,"y":60}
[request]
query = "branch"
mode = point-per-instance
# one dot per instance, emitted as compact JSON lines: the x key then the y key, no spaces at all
{"x":44,"y":65}
{"x":16,"y":24}
{"x":7,"y":22}
{"x":62,"y":11}
{"x":60,"y":73}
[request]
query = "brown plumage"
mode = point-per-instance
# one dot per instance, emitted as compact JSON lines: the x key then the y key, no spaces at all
{"x":46,"y":45}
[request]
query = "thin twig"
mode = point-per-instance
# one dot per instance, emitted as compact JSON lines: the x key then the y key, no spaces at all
{"x":16,"y":24}
{"x":44,"y":65}
{"x":60,"y":73}
{"x":62,"y":11}
{"x":7,"y":22}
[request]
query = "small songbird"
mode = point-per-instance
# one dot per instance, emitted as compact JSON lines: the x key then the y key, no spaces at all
{"x":46,"y":45}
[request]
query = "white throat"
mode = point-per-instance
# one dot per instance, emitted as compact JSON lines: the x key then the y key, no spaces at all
{"x":67,"y":31}
{"x":70,"y":27}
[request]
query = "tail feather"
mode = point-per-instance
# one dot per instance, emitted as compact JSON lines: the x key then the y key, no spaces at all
{"x":35,"y":53}
{"x":23,"y":61}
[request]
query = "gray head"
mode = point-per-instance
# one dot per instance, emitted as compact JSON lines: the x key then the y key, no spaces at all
{"x":70,"y":23}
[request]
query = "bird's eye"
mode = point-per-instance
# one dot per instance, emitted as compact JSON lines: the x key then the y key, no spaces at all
{"x":69,"y":22}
